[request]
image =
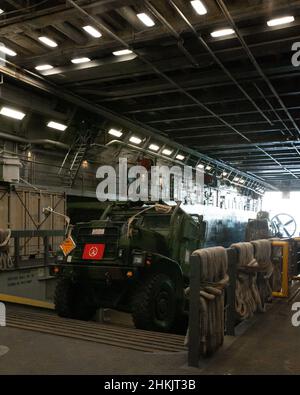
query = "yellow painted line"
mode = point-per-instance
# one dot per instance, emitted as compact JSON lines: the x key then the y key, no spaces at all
{"x":26,"y":301}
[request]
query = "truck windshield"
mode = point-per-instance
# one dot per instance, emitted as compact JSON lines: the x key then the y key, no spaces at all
{"x":156,"y":221}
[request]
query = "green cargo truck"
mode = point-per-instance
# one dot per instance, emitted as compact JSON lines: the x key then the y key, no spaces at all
{"x":134,"y":259}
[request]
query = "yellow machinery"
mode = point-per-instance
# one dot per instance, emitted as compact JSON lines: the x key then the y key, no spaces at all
{"x":290,"y":264}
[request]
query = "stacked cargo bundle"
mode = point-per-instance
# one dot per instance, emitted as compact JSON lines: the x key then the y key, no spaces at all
{"x":254,"y":271}
{"x":213,"y":264}
{"x":263,"y":255}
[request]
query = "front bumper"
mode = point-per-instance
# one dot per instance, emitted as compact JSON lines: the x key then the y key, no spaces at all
{"x":107,"y":273}
{"x":110,"y":286}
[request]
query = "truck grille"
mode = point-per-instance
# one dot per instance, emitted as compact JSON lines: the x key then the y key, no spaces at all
{"x":109,"y":238}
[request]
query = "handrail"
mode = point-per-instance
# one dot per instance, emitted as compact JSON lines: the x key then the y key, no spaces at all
{"x":45,"y":234}
{"x":36,"y":233}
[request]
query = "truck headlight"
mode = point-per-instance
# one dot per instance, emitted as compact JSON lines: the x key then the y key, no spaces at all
{"x":138,"y":259}
{"x":59,"y":259}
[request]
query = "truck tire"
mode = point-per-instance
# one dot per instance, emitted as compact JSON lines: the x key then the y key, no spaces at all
{"x":154,"y":304}
{"x":70,"y":301}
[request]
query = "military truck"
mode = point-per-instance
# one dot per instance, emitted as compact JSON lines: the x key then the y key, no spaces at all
{"x":133,"y":259}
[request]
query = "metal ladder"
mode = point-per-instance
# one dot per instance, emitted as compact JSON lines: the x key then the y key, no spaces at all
{"x":74,"y":158}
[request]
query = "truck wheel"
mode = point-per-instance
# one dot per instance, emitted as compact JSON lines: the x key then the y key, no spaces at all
{"x":154,"y":304}
{"x":70,"y":301}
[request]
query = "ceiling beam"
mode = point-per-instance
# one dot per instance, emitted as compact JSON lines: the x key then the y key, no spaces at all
{"x":267,"y":145}
{"x":72,"y":33}
{"x":45,"y":17}
{"x":30,"y":100}
{"x":15,"y":4}
{"x":190,"y":117}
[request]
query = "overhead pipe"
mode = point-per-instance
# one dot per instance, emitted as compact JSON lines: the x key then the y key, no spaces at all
{"x":23,"y":140}
{"x":157,"y":155}
{"x":239,"y":173}
{"x":57,"y":144}
{"x":32,"y":101}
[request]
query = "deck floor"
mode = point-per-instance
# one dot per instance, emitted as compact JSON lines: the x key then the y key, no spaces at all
{"x":269,"y":345}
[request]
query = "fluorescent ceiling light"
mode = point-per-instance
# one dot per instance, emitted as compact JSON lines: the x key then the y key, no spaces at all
{"x":1,"y":11}
{"x":242,"y":181}
{"x":200,"y":166}
{"x":92,"y":31}
{"x":221,"y":33}
{"x":180,"y":157}
{"x":224,"y":174}
{"x":122,"y":52}
{"x":56,"y":125}
{"x":135,"y":140}
{"x":154,"y":147}
{"x":44,"y":67}
{"x":115,"y":132}
{"x":199,"y":7}
{"x":11,"y":113}
{"x":208,"y":168}
{"x":7,"y":51}
{"x":146,"y":19}
{"x":80,"y":60}
{"x":280,"y":21}
{"x":236,"y":179}
{"x":47,"y":41}
{"x":167,"y":152}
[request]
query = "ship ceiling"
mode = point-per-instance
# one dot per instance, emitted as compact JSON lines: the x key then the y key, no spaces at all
{"x":234,"y":98}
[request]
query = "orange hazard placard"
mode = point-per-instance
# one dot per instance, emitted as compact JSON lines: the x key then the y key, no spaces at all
{"x":67,"y":246}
